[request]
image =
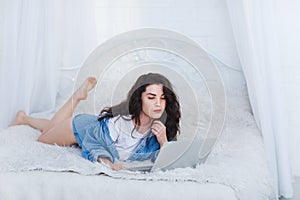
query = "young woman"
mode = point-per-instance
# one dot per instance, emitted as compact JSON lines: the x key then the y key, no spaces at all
{"x":135,"y":129}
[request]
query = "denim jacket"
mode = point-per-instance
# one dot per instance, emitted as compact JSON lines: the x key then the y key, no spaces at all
{"x":98,"y":143}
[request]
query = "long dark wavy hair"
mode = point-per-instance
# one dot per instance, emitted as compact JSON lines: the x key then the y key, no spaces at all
{"x":133,"y":104}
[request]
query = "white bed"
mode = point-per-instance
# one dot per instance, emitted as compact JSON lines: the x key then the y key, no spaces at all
{"x":235,"y":169}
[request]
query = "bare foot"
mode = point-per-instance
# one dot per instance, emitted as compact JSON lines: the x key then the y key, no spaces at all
{"x":20,"y":119}
{"x":82,"y":92}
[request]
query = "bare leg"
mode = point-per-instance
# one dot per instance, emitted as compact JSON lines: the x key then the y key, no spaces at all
{"x":61,"y":134}
{"x":66,"y":111}
{"x":23,"y":119}
{"x":62,"y":114}
{"x":59,"y":129}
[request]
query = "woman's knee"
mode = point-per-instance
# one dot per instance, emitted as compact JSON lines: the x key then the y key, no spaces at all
{"x":42,"y":139}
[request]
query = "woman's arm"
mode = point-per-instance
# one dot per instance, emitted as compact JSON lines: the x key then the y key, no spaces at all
{"x":112,"y":165}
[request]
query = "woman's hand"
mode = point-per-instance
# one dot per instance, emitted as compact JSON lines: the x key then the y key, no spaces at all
{"x":117,"y":167}
{"x":112,"y":165}
{"x":159,"y":130}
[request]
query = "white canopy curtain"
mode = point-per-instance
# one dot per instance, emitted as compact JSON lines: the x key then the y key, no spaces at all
{"x":255,"y":35}
{"x":38,"y":39}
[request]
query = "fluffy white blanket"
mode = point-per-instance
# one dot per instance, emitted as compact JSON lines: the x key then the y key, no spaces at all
{"x":238,"y":160}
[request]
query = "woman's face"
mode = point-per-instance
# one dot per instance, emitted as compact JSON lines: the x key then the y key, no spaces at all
{"x":153,"y":101}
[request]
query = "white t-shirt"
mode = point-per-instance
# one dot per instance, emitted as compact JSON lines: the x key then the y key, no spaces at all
{"x":124,"y":135}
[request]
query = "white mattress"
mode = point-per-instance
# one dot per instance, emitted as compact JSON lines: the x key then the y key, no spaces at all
{"x":37,"y":185}
{"x":235,"y":169}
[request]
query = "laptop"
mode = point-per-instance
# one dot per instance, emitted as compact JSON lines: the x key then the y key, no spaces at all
{"x":175,"y":154}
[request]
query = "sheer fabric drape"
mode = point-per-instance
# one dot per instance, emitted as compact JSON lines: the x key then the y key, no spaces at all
{"x":255,"y":35}
{"x":38,"y":38}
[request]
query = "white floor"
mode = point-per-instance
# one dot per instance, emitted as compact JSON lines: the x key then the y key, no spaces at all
{"x":296,"y":190}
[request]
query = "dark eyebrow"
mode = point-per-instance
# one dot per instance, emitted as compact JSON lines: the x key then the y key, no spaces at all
{"x":151,"y":94}
{"x":154,"y":94}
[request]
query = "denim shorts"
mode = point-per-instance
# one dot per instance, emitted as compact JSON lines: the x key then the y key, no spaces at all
{"x":82,"y":124}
